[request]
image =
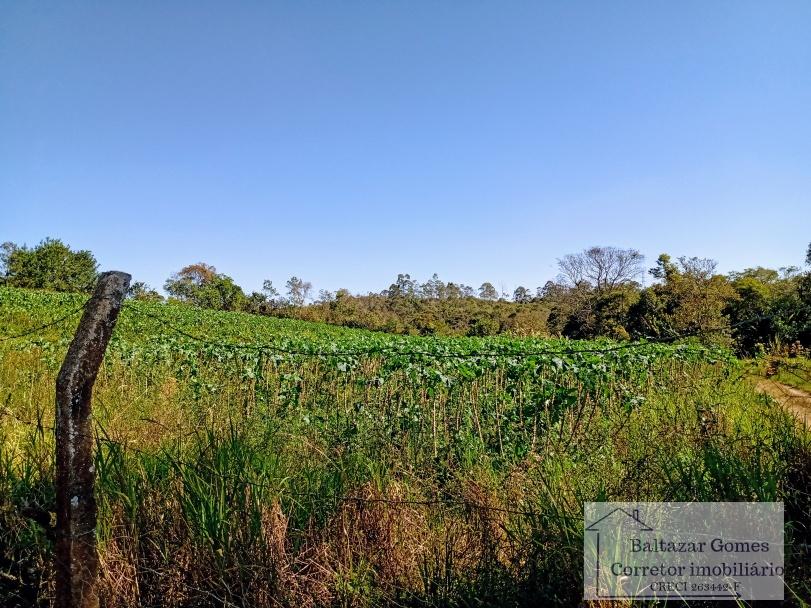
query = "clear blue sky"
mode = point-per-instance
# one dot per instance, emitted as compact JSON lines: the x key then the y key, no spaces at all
{"x":345,"y":141}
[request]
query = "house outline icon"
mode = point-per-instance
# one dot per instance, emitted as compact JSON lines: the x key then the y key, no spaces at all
{"x":633,"y":516}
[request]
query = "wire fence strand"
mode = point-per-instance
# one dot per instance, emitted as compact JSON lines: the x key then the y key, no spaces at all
{"x":41,"y":328}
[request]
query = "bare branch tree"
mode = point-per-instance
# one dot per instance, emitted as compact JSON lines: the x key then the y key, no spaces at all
{"x":701,"y":268}
{"x":601,"y":267}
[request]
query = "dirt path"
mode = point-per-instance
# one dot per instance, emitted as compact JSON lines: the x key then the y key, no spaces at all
{"x":796,"y":401}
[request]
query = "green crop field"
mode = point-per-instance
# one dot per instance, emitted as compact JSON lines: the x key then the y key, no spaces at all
{"x":250,"y":461}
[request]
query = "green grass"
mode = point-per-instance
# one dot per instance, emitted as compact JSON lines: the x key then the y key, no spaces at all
{"x":795,"y":372}
{"x":330,"y":466}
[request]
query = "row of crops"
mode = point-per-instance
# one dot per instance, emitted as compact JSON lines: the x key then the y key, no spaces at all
{"x":472,"y":387}
{"x":154,"y":333}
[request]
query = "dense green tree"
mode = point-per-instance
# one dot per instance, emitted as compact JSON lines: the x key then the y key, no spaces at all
{"x":256,"y":302}
{"x":50,"y":265}
{"x":483,"y":325}
{"x":434,"y":288}
{"x":751,"y":311}
{"x":611,"y":310}
{"x":802,"y":318}
{"x":403,"y":287}
{"x":184,"y":284}
{"x":201,"y":285}
{"x":522,"y":294}
{"x":454,"y":291}
{"x":571,"y":309}
{"x":688,"y":300}
{"x":771,"y":308}
{"x":141,"y":291}
{"x":583,"y":312}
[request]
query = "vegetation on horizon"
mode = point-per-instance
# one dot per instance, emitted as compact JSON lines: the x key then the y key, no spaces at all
{"x":597,"y":294}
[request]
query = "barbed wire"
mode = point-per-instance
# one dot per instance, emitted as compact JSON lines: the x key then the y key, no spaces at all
{"x":55,"y":322}
{"x":41,"y":328}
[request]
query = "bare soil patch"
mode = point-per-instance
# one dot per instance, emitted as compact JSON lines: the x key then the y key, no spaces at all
{"x":797,"y":401}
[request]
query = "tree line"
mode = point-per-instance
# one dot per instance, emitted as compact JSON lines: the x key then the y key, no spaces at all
{"x":599,"y":292}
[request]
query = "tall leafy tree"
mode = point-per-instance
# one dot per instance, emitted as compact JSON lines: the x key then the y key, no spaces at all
{"x":201,"y":285}
{"x":141,"y":291}
{"x":434,"y":288}
{"x":298,"y":290}
{"x":522,"y":294}
{"x":488,"y":292}
{"x":50,"y":265}
{"x":689,"y":299}
{"x":403,"y":287}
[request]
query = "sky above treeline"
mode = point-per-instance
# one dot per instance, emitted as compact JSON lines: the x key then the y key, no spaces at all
{"x":346,"y":142}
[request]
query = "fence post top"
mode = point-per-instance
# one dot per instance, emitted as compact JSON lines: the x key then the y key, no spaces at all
{"x":118,"y":274}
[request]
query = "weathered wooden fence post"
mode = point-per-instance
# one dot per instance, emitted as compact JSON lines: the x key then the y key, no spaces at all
{"x":76,"y":558}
